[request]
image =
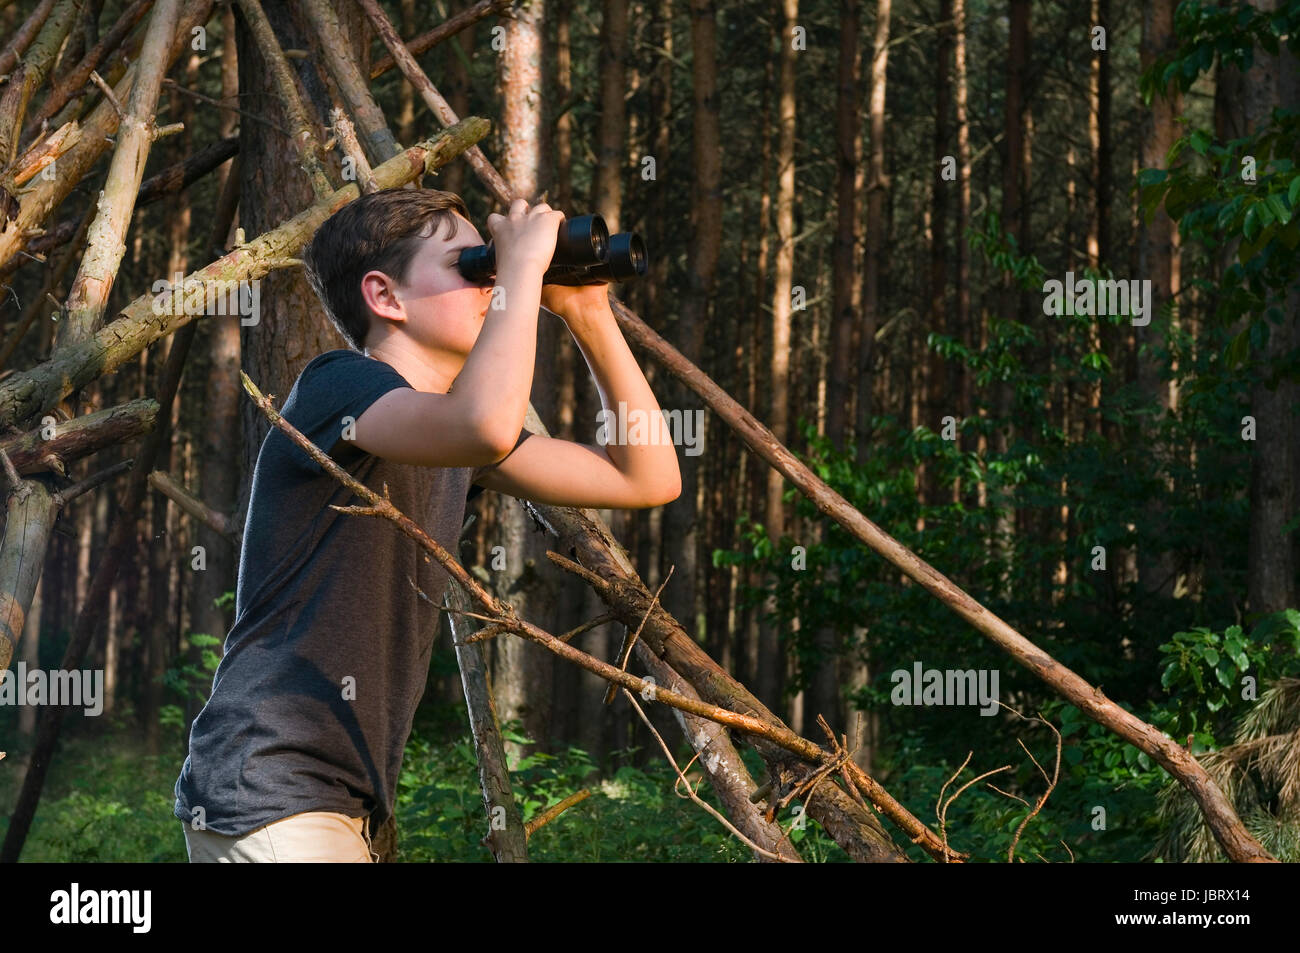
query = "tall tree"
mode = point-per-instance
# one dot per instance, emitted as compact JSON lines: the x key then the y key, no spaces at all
{"x":1158,"y":262}
{"x":681,"y":520}
{"x":1273,"y":82}
{"x":877,"y":192}
{"x":1100,"y":140}
{"x":824,"y":694}
{"x":771,"y":673}
{"x":218,"y":468}
{"x":524,"y":672}
{"x":611,"y":155}
{"x":1013,"y":222}
{"x":962,"y":311}
{"x":845,"y":299}
{"x":938,"y":401}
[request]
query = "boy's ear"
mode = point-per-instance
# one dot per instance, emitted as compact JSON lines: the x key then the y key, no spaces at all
{"x":379,"y":291}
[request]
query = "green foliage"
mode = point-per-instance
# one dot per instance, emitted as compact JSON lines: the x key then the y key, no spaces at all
{"x":1242,"y":192}
{"x":631,"y":815}
{"x":1230,"y":32}
{"x":105,"y":801}
{"x":1129,"y":484}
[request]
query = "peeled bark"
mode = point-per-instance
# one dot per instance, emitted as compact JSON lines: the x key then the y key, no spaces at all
{"x":97,"y":132}
{"x":105,"y":242}
{"x":27,"y":393}
{"x":30,"y":74}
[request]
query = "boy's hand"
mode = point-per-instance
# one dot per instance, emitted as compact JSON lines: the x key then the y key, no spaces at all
{"x":579,"y":302}
{"x":525,"y":237}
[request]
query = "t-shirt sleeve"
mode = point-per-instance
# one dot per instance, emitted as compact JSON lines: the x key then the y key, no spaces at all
{"x":333,"y":387}
{"x":475,"y":490}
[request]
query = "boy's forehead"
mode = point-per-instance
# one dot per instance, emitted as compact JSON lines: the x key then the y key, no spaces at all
{"x":465,"y":234}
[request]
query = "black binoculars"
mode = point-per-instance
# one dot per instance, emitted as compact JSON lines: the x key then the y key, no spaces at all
{"x":585,"y":254}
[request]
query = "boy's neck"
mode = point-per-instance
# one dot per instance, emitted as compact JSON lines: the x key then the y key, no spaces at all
{"x":425,"y":371}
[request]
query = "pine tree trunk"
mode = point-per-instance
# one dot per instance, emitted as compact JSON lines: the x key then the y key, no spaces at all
{"x":524,"y":673}
{"x":877,"y":192}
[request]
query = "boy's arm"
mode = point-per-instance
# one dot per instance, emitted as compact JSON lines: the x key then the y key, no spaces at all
{"x":478,"y":421}
{"x":617,"y":475}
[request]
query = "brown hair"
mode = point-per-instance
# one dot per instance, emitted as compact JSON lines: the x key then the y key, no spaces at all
{"x":381,"y":231}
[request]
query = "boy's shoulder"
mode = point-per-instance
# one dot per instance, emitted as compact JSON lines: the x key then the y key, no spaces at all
{"x":335,"y":369}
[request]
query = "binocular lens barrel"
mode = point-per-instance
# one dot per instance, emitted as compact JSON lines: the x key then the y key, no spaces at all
{"x":585,"y":253}
{"x":627,"y":257}
{"x":580,"y":243}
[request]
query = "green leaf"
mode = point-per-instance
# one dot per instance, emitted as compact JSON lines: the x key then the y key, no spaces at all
{"x":1199,"y":141}
{"x":1278,"y":208}
{"x":1293,"y":194}
{"x":1250,"y":227}
{"x":1238,"y":350}
{"x":1149,"y":177}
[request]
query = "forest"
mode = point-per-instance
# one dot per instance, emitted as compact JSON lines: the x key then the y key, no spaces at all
{"x":975,"y":325}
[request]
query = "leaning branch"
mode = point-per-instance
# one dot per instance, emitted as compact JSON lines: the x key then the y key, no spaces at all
{"x":444,"y":31}
{"x":106,"y":241}
{"x":54,"y":444}
{"x":1228,"y":830}
{"x":304,"y":138}
{"x":34,"y":391}
{"x":503,"y":614}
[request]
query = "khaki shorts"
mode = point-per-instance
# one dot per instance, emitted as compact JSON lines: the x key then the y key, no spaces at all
{"x":312,"y":837}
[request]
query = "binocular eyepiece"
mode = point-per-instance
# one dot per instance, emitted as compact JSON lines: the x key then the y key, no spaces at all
{"x":585,"y":253}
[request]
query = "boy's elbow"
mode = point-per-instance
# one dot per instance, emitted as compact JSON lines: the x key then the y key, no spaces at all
{"x":666,"y":493}
{"x":497,"y":440}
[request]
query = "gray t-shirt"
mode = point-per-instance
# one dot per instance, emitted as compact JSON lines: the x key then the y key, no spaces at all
{"x":314,"y":698}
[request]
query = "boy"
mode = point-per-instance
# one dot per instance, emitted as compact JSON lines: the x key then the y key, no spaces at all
{"x":297,"y":752}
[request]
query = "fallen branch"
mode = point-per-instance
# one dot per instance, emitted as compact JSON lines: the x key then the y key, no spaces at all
{"x":97,"y":134}
{"x":1051,"y":782}
{"x":30,"y":75}
{"x":1228,"y":830}
{"x":508,"y":841}
{"x":690,"y":792}
{"x":503,"y":614}
{"x":24,"y":35}
{"x":106,"y":240}
{"x":353,"y":87}
{"x":70,"y":84}
{"x":432,"y":98}
{"x":554,"y":811}
{"x":217,"y":521}
{"x":40,"y":450}
{"x":444,"y":31}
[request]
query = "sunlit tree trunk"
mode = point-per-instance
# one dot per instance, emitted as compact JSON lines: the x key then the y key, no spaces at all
{"x":523,"y":676}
